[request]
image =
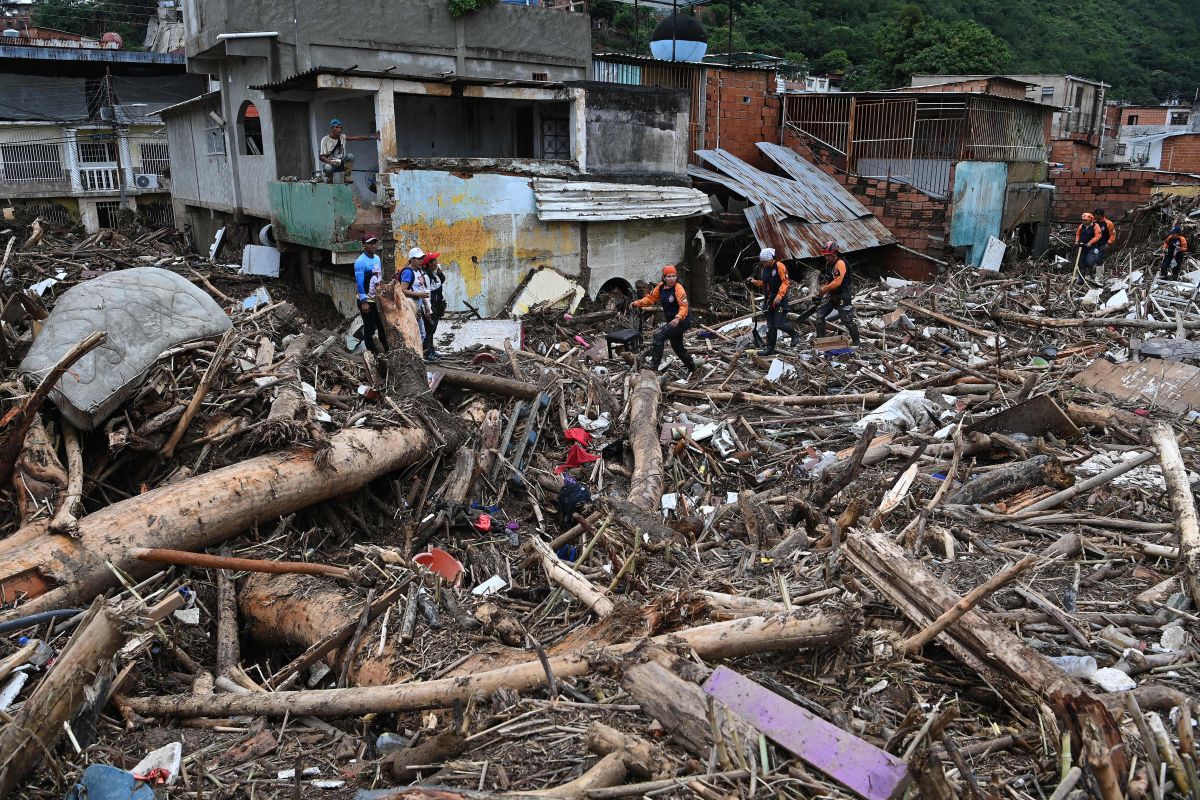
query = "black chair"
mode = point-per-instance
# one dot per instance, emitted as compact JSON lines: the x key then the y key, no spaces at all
{"x":629,"y":338}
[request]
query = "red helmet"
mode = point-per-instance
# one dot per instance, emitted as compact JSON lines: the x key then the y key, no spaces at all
{"x":829,"y":249}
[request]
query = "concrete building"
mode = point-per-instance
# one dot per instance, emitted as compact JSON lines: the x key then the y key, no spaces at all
{"x":731,"y":107}
{"x":493,"y":150}
{"x":80,"y":136}
{"x":1077,"y":127}
{"x":1155,"y":137}
{"x":944,"y":171}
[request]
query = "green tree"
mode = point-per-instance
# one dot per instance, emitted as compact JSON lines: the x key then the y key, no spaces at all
{"x":835,"y":61}
{"x":94,"y":17}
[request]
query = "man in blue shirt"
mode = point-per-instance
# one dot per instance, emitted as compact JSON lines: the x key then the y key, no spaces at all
{"x":365,"y":267}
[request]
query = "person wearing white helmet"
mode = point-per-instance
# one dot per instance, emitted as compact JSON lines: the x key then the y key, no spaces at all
{"x":773,"y":281}
{"x":413,"y":288}
{"x":836,"y":292}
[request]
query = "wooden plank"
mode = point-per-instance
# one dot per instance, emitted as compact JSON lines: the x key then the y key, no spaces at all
{"x":862,"y":767}
{"x":971,"y":329}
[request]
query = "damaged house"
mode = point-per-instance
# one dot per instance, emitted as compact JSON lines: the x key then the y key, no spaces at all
{"x":944,"y":171}
{"x":493,"y":150}
{"x":80,"y":135}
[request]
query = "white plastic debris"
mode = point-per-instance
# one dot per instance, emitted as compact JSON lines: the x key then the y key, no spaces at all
{"x":593,"y":425}
{"x":896,"y":283}
{"x":188,"y":616}
{"x":703,"y":432}
{"x":316,"y":674}
{"x":908,"y":409}
{"x":779,"y":369}
{"x":260,"y":260}
{"x":261,"y":297}
{"x":289,"y":774}
{"x":9,"y":693}
{"x":328,"y":783}
{"x":490,"y":586}
{"x":670,"y":502}
{"x":1112,"y":680}
{"x":1090,"y":300}
{"x":165,"y":758}
{"x":1174,"y":639}
{"x":1117,"y":302}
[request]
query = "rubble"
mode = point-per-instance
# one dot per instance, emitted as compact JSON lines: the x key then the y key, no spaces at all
{"x":952,"y":561}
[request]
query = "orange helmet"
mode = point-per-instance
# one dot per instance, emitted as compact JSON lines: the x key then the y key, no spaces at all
{"x":669,"y":270}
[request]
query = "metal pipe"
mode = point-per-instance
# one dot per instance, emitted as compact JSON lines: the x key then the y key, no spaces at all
{"x":248,"y":35}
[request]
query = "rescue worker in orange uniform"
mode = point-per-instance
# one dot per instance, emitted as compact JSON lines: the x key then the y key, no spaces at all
{"x":837,"y":293}
{"x":773,"y":281}
{"x":1175,"y":249}
{"x":674,"y":303}
{"x":1087,"y":237}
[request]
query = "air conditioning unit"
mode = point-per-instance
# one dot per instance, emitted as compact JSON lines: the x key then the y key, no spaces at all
{"x":145,"y":181}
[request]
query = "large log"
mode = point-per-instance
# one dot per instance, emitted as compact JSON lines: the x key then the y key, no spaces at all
{"x":492,"y":384}
{"x":1093,"y":322}
{"x":990,"y":649}
{"x":399,"y":315}
{"x":1183,"y":503}
{"x":82,"y":674}
{"x":1013,"y":478}
{"x":645,"y":487}
{"x":718,"y":640}
{"x":57,"y":572}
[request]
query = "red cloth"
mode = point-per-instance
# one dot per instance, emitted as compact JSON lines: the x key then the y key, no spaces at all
{"x":576,"y":457}
{"x":578,"y":435}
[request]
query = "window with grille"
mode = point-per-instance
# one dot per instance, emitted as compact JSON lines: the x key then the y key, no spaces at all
{"x":92,"y":152}
{"x":1132,"y":119}
{"x":214,"y":140}
{"x":58,"y":216}
{"x":157,"y":215}
{"x":26,"y":163}
{"x":1178,"y":118}
{"x":556,"y":139}
{"x":155,"y":160}
{"x":108,"y":214}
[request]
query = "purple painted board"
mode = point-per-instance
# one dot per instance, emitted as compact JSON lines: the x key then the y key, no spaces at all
{"x":859,"y":765}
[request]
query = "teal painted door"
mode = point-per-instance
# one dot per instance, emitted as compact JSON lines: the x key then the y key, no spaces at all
{"x":978,"y":205}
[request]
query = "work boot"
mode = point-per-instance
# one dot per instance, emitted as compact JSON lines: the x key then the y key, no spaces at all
{"x":819,"y":324}
{"x":795,"y":340}
{"x":853,"y":329}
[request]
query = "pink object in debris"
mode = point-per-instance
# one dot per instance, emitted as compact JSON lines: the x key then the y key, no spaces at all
{"x":439,"y":562}
{"x":582,"y":342}
{"x":1141,"y":412}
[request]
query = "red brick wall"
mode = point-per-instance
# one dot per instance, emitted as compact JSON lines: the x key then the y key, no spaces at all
{"x":1073,"y":154}
{"x":741,"y":124}
{"x":1116,"y":191}
{"x":910,"y":215}
{"x":1181,"y":153}
{"x":1147,"y":115}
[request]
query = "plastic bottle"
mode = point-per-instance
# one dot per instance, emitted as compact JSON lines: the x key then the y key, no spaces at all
{"x":42,"y":654}
{"x":390,"y":742}
{"x":1075,"y":666}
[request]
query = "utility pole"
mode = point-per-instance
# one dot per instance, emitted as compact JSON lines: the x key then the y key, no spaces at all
{"x":112,"y":110}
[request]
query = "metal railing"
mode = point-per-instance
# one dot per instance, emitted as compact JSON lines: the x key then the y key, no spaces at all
{"x":100,"y":178}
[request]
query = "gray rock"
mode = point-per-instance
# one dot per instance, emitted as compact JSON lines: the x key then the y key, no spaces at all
{"x":146,"y":311}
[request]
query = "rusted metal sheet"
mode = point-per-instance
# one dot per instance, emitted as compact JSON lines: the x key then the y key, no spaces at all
{"x":591,"y":201}
{"x":1154,"y":383}
{"x":795,"y":238}
{"x":798,"y":214}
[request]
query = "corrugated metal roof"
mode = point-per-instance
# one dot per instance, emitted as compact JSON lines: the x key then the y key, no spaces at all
{"x":592,"y":201}
{"x":798,"y":214}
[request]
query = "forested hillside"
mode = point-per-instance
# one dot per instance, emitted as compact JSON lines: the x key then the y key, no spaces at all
{"x":1147,"y":49}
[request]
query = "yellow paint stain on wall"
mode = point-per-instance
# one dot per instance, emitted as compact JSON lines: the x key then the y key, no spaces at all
{"x":456,"y":241}
{"x":546,"y":240}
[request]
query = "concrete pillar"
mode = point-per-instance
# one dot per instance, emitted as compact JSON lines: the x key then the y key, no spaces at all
{"x":125,"y":158}
{"x":71,"y":156}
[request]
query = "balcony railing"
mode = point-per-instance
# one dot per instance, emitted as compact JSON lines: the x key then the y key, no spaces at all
{"x":100,"y":178}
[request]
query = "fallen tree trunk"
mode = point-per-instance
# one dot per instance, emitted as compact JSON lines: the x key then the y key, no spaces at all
{"x":645,"y":487}
{"x":1013,"y":478}
{"x":995,"y":653}
{"x":869,"y":399}
{"x":1097,"y":322}
{"x":54,"y":571}
{"x":492,"y":384}
{"x":1183,"y":503}
{"x":81,"y":675}
{"x":719,"y":640}
{"x":399,"y":315}
{"x":572,"y":581}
